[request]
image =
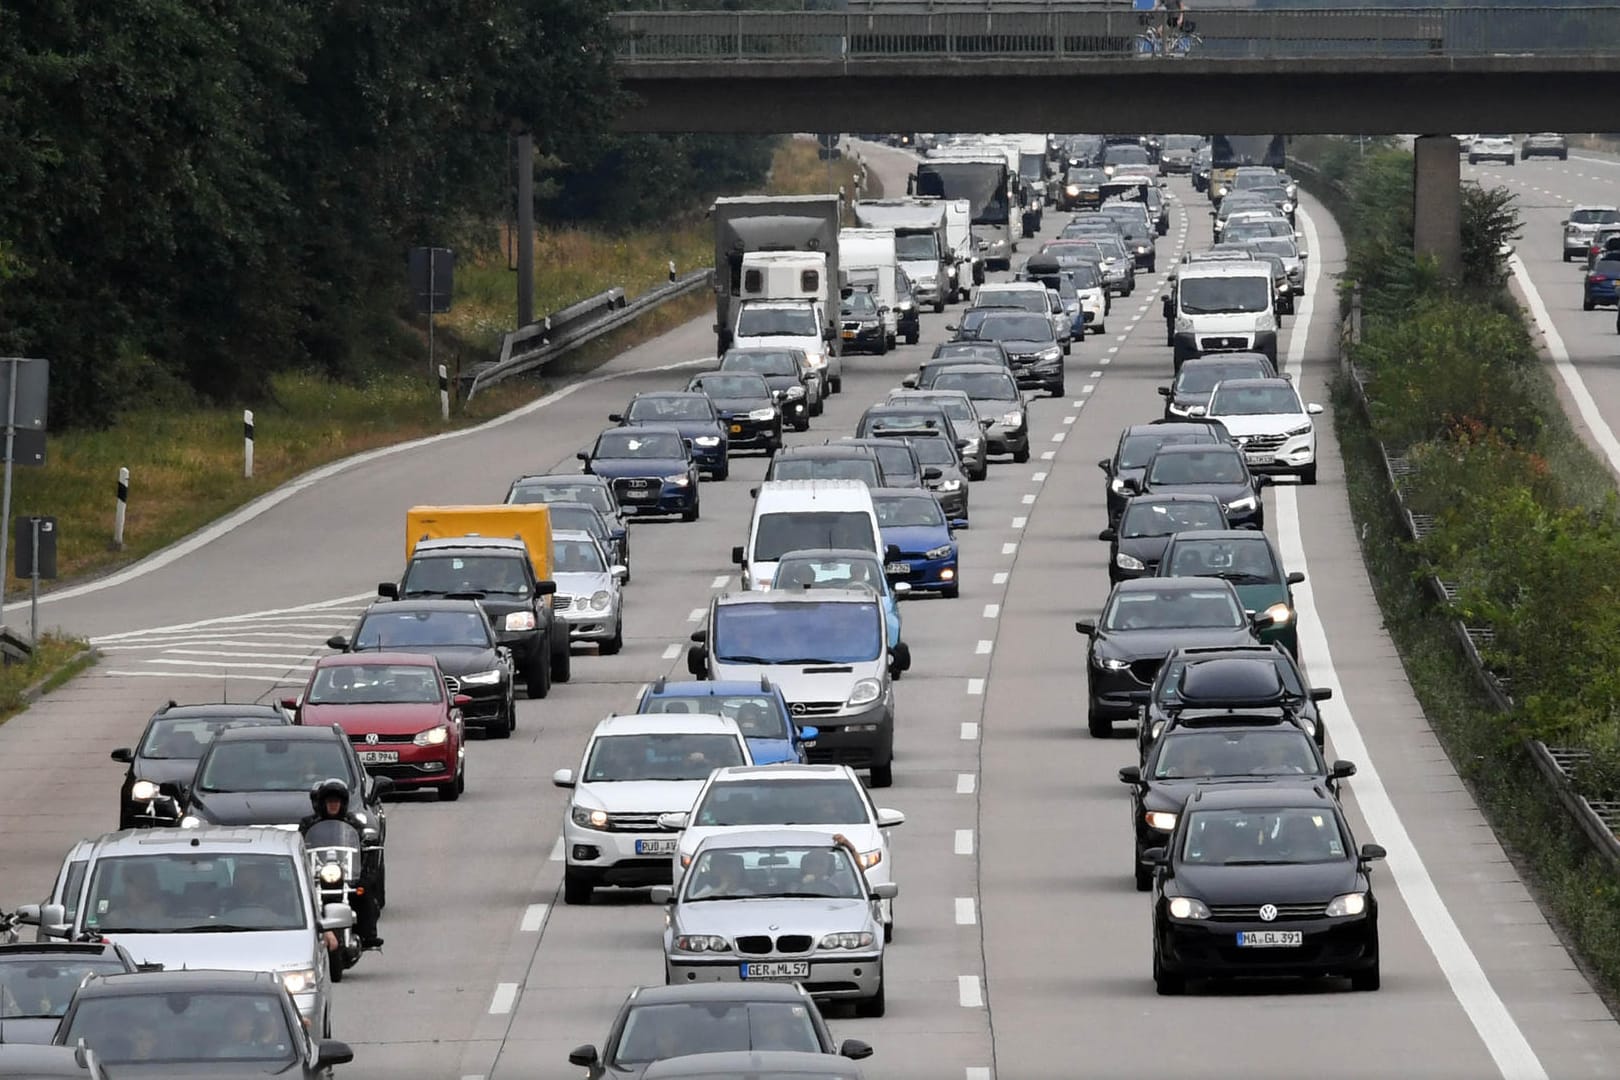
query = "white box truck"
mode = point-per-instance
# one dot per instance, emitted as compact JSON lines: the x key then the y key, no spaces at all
{"x":920,"y":244}
{"x":867,"y":256}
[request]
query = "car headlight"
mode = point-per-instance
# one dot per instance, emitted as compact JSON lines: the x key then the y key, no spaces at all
{"x":519,"y":620}
{"x":601,"y":601}
{"x":949,"y":485}
{"x":973,"y":445}
{"x":817,"y":360}
{"x":847,"y":941}
{"x":433,"y":736}
{"x":143,"y":790}
{"x":866,"y":691}
{"x":1185,"y":907}
{"x":590,"y":819}
{"x":330,"y":874}
{"x":869,"y":859}
{"x":1141,"y":249}
{"x":678,"y":479}
{"x":928,"y":282}
{"x":1221,"y":191}
{"x":299,"y":980}
{"x":1012,"y":419}
{"x":869,"y":324}
{"x":1351,"y":903}
{"x":1303,"y":429}
{"x":762,"y":414}
{"x":706,"y":440}
{"x":191,"y":822}
{"x":1309,"y":725}
{"x":1109,"y":663}
{"x":1245,"y":503}
{"x":1072,"y":190}
{"x":1266,"y":322}
{"x":1163,"y":820}
{"x":1184,"y":325}
{"x":794,"y":392}
{"x":1281,"y":614}
{"x":702,"y":943}
{"x":907,"y":305}
{"x":1128,"y":562}
{"x":1053,"y":352}
{"x":941,"y":552}
{"x":483,"y":678}
{"x":1288,"y":208}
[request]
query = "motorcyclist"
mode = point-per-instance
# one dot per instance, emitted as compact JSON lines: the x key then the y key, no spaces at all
{"x":329,"y":799}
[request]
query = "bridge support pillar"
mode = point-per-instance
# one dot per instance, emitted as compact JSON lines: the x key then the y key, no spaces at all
{"x":1437,"y":201}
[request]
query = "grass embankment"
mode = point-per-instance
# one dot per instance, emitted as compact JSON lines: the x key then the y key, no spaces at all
{"x":56,"y":659}
{"x":1526,"y":525}
{"x":186,"y":462}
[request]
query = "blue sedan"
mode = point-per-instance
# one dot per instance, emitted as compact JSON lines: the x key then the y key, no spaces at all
{"x":651,"y":470}
{"x":758,"y":707}
{"x":693,"y":415}
{"x":920,"y":544}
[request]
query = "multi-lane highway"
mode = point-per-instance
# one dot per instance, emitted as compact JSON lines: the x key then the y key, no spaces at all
{"x":1022,"y":949}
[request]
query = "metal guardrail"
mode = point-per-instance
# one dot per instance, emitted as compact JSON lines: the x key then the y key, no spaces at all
{"x":538,"y":344}
{"x":1078,"y":31}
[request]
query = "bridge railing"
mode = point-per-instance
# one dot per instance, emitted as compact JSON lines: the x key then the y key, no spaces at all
{"x":1044,"y":31}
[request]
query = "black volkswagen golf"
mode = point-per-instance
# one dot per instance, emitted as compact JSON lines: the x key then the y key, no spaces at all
{"x":1263,"y":881}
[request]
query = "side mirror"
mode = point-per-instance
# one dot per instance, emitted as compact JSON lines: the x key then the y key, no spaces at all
{"x":892,"y":553}
{"x":1129,"y":484}
{"x":1296,"y":577}
{"x":337,"y":917}
{"x":1314,"y":409}
{"x":961,"y":444}
{"x":53,"y":921}
{"x":332,"y":1052}
{"x":1342,"y":770}
{"x":909,"y":382}
{"x":953,"y":327}
{"x":545,"y":588}
{"x":617,"y":418}
{"x":1321,"y":693}
{"x":888,"y":890}
{"x":675,"y":821}
{"x":986,"y":421}
{"x":1262,"y":480}
{"x":1104,"y":465}
{"x":1304,"y":255}
{"x":338,"y":642}
{"x":388,"y":590}
{"x":1262,"y":621}
{"x":1130,"y":774}
{"x":563,"y":778}
{"x":901,"y":588}
{"x":1158,"y":856}
{"x":662,"y":894}
{"x":854,"y":1049}
{"x":383,"y":785}
{"x":809,"y":733}
{"x":1087,"y":627}
{"x":699,"y":636}
{"x":289,"y":703}
{"x":583,"y":455}
{"x":958,"y":523}
{"x":1372,"y":852}
{"x":932,"y":473}
{"x":737,"y":556}
{"x":1198,"y":410}
{"x":583,"y":1056}
{"x":461,"y":701}
{"x":1165,"y":391}
{"x":124,"y":754}
{"x":888,"y":819}
{"x":620,"y":572}
{"x":1110,"y":534}
{"x":697,"y":661}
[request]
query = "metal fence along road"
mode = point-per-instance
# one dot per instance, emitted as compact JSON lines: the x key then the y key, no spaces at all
{"x":1080,"y":31}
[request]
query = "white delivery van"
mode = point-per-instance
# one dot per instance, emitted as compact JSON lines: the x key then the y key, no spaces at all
{"x":919,"y":240}
{"x":790,"y":324}
{"x":969,"y":264}
{"x":794,"y":515}
{"x":1224,"y":307}
{"x":868,"y":255}
{"x":786,"y":275}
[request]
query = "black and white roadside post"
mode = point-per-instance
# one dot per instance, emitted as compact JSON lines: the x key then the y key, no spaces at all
{"x":247,"y":444}
{"x":26,"y":394}
{"x":120,"y":509}
{"x":433,"y":275}
{"x":36,"y":559}
{"x":672,"y":271}
{"x":444,"y":394}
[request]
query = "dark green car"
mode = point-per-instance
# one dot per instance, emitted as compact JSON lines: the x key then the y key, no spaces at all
{"x":1248,"y":559}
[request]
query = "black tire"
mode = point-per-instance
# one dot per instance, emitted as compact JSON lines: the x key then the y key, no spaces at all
{"x":939,"y":307}
{"x":576,"y":891}
{"x":1361,"y":981}
{"x":692,"y":514}
{"x":380,"y":889}
{"x":951,"y":592}
{"x":1587,"y":305}
{"x":537,"y":678}
{"x":503,"y":729}
{"x":1100,"y":726}
{"x":335,"y":962}
{"x":874,"y":1006}
{"x":451,"y":791}
{"x":722,"y":473}
{"x":883,"y":775}
{"x":802,"y":425}
{"x":612,"y":645}
{"x":1057,"y":391}
{"x":818,"y":408}
{"x":1021,"y":456}
{"x":1566,"y":256}
{"x":836,"y":385}
{"x":1144,"y":877}
{"x":888,"y":932}
{"x":882,"y":345}
{"x":1099,"y":328}
{"x":562,"y":659}
{"x":912,"y":339}
{"x":1307,"y":475}
{"x":1167,"y":983}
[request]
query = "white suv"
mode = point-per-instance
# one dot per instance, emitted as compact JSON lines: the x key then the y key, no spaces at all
{"x":1268,"y":423}
{"x":635,"y":769}
{"x":813,"y":798}
{"x":1492,"y":148}
{"x":1581,"y":228}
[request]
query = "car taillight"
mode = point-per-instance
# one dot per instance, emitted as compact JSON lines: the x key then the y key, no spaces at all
{"x":1596,"y":277}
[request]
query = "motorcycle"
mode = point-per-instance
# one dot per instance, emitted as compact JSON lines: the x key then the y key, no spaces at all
{"x":336,"y":864}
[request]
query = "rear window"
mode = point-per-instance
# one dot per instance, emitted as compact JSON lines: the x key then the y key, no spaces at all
{"x":863,"y":469}
{"x":799,"y":530}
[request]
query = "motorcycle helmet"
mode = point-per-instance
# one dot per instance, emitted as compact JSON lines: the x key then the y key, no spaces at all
{"x":330,"y":788}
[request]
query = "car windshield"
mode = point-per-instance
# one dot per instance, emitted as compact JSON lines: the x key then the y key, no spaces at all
{"x":673,"y":756}
{"x":178,"y":1027}
{"x":185,"y":892}
{"x":788,"y":467}
{"x":781,"y":801}
{"x":438,"y":575}
{"x":577,"y":557}
{"x":895,"y":463}
{"x":933,"y":451}
{"x":1283,"y":750}
{"x":1247,"y":562}
{"x":184,"y":738}
{"x":759,"y":873}
{"x":1254,"y":400}
{"x":1139,"y":449}
{"x":1123,"y":154}
{"x":1172,"y":609}
{"x":795,"y":530}
{"x":916,"y":247}
{"x":1169,"y":518}
{"x":979,"y":385}
{"x":578,"y":519}
{"x":956,"y":408}
{"x":1008,"y":327}
{"x":1277,"y":245}
{"x":1111,"y":245}
{"x":1207,"y":467}
{"x":271,"y":765}
{"x":906,"y":511}
{"x":777,"y":322}
{"x":831,"y":573}
{"x":672,"y":408}
{"x":1183,"y":142}
{"x":968,"y":350}
{"x":1275,"y":836}
{"x":660,"y":1032}
{"x":634,"y":443}
{"x":375,"y":684}
{"x":829,"y":632}
{"x":859,"y":305}
{"x":734,"y":387}
{"x":1224,"y":295}
{"x":1594,"y":217}
{"x":762,"y":363}
{"x":564,"y":491}
{"x":1084,"y":276}
{"x":760,"y":716}
{"x":40,"y":985}
{"x":1609,"y":268}
{"x":1202,"y":378}
{"x":889,"y":422}
{"x":405,"y":630}
{"x":1028,"y":299}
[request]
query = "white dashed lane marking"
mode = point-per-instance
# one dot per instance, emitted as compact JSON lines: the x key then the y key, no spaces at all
{"x":970,"y":731}
{"x":999,"y":578}
{"x":983,"y":647}
{"x":966,"y":913}
{"x":970,"y":991}
{"x":964,"y":841}
{"x":534,"y":917}
{"x":975,"y":687}
{"x":992,"y":611}
{"x":672,"y":651}
{"x":506,"y":995}
{"x":966,"y":783}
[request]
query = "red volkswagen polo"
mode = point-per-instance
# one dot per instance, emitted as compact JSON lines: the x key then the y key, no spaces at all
{"x":396,"y":710}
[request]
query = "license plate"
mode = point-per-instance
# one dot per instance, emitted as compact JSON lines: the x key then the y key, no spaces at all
{"x":777,"y":969}
{"x":736,"y":429}
{"x":655,"y":847}
{"x":897,"y":568}
{"x":1269,"y":939}
{"x":1259,"y":455}
{"x":641,"y":493}
{"x":849,"y":335}
{"x":379,"y":757}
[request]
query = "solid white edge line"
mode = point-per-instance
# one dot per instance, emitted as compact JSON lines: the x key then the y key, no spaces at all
{"x":969,"y":992}
{"x":505,"y":998}
{"x":534,"y":917}
{"x":272,"y":499}
{"x":1469,"y":984}
{"x":964,"y":841}
{"x":965,"y":913}
{"x":1591,"y":415}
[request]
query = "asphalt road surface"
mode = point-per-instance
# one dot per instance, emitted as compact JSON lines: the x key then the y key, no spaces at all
{"x":1022,"y":950}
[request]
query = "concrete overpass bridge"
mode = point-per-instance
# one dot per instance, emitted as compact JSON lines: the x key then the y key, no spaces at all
{"x":1072,"y":64}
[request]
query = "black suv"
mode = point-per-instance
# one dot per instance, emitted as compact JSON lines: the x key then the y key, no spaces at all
{"x":162,"y":761}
